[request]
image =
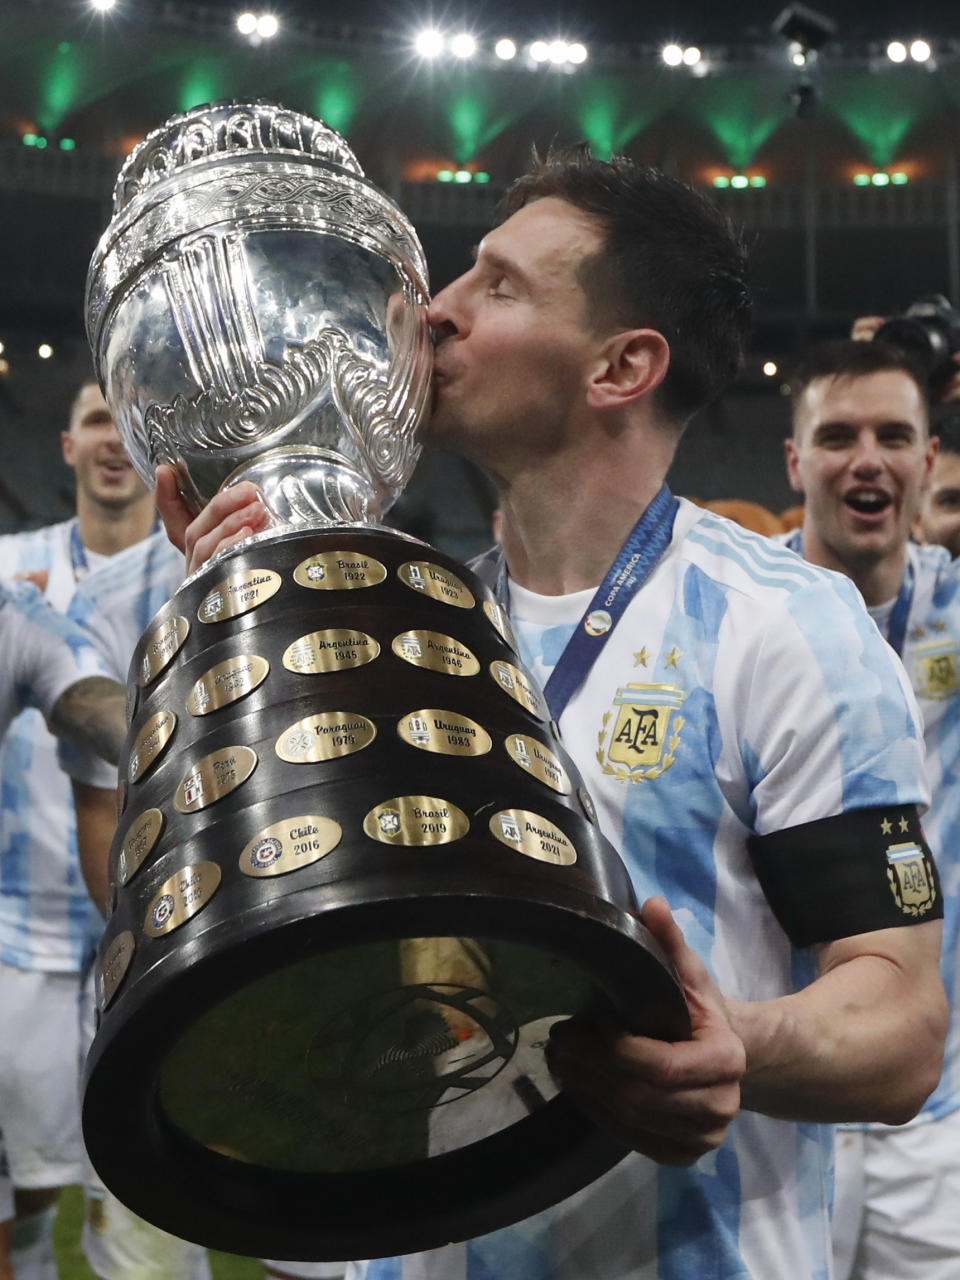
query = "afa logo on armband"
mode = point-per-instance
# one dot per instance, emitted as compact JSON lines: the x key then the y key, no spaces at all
{"x":641,"y":733}
{"x":911,"y":877}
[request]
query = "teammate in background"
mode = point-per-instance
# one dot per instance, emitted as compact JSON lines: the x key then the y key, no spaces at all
{"x":862,"y":454}
{"x":44,"y":909}
{"x":939,"y":518}
{"x":48,"y":665}
{"x":597,"y":318}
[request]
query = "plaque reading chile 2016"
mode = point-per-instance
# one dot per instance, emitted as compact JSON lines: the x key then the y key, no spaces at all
{"x":357,"y":876}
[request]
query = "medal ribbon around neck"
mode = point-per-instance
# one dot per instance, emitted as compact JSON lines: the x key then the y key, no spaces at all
{"x":637,"y":559}
{"x":900,"y":615}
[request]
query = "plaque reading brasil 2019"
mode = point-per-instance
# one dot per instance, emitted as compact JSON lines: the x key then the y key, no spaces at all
{"x":356,"y":875}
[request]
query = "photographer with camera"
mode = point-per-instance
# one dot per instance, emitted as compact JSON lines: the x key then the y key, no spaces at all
{"x":929,"y":330}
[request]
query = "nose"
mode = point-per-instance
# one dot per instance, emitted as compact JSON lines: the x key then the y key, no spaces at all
{"x":445,"y":314}
{"x":868,"y":458}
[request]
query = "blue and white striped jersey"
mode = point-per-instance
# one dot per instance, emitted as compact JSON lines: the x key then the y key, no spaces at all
{"x":113,"y":606}
{"x":43,"y":901}
{"x":775,"y":702}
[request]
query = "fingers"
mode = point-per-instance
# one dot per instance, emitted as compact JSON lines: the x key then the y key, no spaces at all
{"x":865,"y":327}
{"x":172,"y":509}
{"x":230,"y":516}
{"x":39,"y":577}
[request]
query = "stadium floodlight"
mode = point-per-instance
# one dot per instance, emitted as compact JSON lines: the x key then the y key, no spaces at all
{"x":539,"y":51}
{"x":558,"y":52}
{"x":797,"y":54}
{"x":672,"y":55}
{"x":577,"y":53}
{"x":770,"y":369}
{"x":267,"y":26}
{"x":102,"y":5}
{"x":897,"y":51}
{"x":691,"y":56}
{"x":247,"y":23}
{"x":463,"y":45}
{"x":880,"y":179}
{"x":44,"y":351}
{"x":739,"y":180}
{"x":429,"y":43}
{"x":920,"y":51}
{"x":505,"y":49}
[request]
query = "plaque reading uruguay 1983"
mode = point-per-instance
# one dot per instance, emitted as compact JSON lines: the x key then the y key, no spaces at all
{"x":150,"y":742}
{"x":336,"y":649}
{"x":445,"y":732}
{"x":339,"y":571}
{"x":437,"y":582}
{"x":325,"y":736}
{"x":238,"y":593}
{"x":416,"y":820}
{"x":228,"y":681}
{"x":289,"y":845}
{"x":161,"y":647}
{"x":435,"y":652}
{"x":214,"y":777}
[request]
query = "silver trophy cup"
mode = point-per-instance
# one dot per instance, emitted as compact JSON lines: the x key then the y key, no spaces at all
{"x":356,"y":875}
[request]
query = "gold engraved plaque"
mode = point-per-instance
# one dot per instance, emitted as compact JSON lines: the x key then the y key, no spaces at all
{"x":214,"y":777}
{"x":337,"y":649}
{"x":339,"y":571}
{"x":520,"y":687}
{"x":532,"y":835}
{"x":536,"y":759}
{"x":151,"y":742}
{"x":444,"y":732}
{"x":141,"y":836}
{"x":435,"y":652}
{"x":290,"y":845}
{"x":227,"y":682}
{"x":238,"y":593}
{"x":416,"y":820}
{"x":497,"y":615}
{"x":440,"y":584}
{"x":116,"y":962}
{"x":181,"y":897}
{"x":161,"y":647}
{"x":325,"y":736}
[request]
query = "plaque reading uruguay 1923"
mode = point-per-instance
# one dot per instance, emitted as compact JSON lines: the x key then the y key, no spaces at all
{"x":351,"y":895}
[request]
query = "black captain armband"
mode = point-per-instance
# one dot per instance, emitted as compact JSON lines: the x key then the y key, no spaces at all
{"x":861,"y":870}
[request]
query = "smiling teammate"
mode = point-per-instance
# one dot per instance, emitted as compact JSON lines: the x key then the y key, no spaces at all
{"x":862,"y":454}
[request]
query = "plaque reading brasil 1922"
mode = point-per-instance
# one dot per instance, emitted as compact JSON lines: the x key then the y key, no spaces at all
{"x":357,"y":877}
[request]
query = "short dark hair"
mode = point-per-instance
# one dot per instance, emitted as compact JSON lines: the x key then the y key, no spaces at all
{"x":848,"y":358}
{"x":945,"y":425}
{"x":670,"y":261}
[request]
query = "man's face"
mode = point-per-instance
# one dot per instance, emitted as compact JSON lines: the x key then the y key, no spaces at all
{"x":862,"y":455}
{"x":939,"y":519}
{"x":93,"y":448}
{"x":513,"y":340}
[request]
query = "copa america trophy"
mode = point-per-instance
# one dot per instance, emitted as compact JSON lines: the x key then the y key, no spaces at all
{"x":356,"y":875}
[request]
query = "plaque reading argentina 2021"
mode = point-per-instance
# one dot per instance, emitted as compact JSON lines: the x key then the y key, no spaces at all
{"x":356,"y":875}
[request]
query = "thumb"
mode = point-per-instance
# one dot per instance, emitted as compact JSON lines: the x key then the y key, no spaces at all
{"x":702,"y":993}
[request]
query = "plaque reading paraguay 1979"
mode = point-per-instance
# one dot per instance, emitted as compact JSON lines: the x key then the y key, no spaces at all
{"x":350,"y":895}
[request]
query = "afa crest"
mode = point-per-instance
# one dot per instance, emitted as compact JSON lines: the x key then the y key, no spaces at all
{"x":641,"y":742}
{"x":935,"y":669}
{"x":911,"y":878}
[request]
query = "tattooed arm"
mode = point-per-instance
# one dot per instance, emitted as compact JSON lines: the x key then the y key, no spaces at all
{"x":91,"y":713}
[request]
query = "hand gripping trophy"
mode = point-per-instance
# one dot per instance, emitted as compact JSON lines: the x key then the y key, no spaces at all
{"x":356,"y":875}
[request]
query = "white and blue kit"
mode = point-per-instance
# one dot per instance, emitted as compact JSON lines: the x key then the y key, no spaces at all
{"x":742,"y":692}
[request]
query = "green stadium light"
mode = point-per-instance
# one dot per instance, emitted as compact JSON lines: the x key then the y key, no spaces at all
{"x":758,"y":180}
{"x":41,"y":143}
{"x":861,"y":179}
{"x":739,"y":180}
{"x":721,"y":181}
{"x":481,"y":176}
{"x":899,"y":179}
{"x":444,"y":175}
{"x":880,"y":179}
{"x":67,"y":144}
{"x":463,"y":175}
{"x":30,"y":139}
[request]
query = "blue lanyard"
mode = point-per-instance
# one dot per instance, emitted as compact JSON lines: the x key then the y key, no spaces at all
{"x":638,"y":557}
{"x":78,"y":554}
{"x":900,"y":614}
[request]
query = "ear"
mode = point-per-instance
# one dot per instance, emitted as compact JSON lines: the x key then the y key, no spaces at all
{"x":930,"y":460}
{"x":629,"y":366}
{"x":66,"y":445}
{"x":793,"y":464}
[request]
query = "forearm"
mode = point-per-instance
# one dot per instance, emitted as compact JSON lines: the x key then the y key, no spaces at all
{"x":91,"y":712}
{"x":862,"y":1042}
{"x":96,"y":822}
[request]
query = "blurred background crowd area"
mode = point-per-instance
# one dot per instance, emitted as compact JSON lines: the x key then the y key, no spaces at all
{"x":830,"y":135}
